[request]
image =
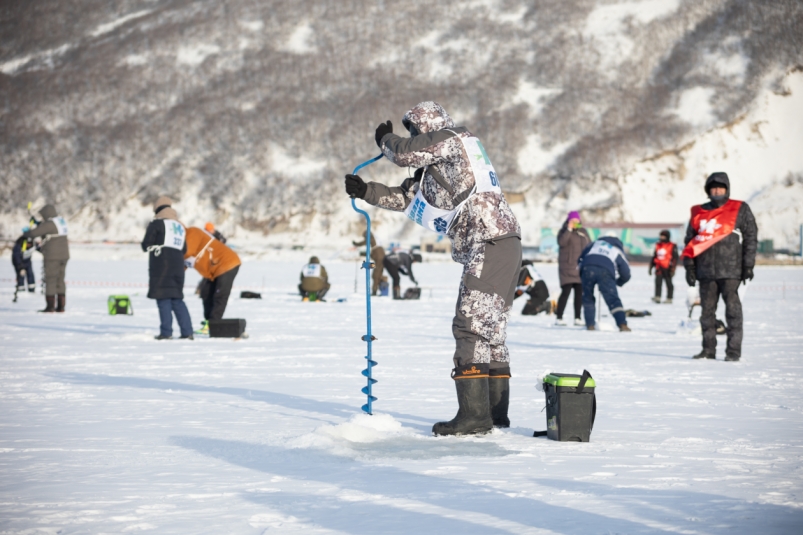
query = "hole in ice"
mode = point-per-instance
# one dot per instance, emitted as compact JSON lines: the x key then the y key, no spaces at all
{"x":382,"y":436}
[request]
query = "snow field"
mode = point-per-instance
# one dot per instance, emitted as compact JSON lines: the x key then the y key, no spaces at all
{"x":105,"y":430}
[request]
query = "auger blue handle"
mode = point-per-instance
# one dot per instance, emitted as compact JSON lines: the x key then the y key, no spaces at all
{"x":367,"y":266}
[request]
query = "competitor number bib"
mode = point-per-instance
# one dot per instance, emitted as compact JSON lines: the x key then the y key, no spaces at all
{"x":485,"y":181}
{"x":174,"y":234}
{"x":312,"y":270}
{"x":61,"y":225}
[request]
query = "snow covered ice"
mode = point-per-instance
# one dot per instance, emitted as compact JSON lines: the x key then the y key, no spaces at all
{"x":105,"y":430}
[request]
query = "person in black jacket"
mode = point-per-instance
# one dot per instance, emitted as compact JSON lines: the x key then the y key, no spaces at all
{"x":400,"y":262}
{"x":165,"y":242}
{"x":720,"y":253}
{"x":21,"y":258}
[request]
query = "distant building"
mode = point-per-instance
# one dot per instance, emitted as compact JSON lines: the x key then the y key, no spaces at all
{"x":638,"y":238}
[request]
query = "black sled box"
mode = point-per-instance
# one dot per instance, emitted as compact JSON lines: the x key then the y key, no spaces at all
{"x":231,"y":328}
{"x":571,"y":406}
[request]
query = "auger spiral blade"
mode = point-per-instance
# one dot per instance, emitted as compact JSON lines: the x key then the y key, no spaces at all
{"x":367,"y":265}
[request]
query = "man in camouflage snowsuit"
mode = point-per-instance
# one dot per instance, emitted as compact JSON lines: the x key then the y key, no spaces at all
{"x":486,"y":239}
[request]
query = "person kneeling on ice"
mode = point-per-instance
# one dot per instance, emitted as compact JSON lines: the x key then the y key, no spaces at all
{"x":664,"y":260}
{"x":21,"y":259}
{"x":314,"y":281}
{"x":165,"y":242}
{"x":400,"y":262}
{"x":721,"y":243}
{"x":216,"y":262}
{"x":455,"y":192}
{"x":603,"y":264}
{"x":56,"y":251}
{"x":531,"y":283}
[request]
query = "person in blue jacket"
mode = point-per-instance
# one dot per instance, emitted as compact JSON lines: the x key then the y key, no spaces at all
{"x":21,"y":258}
{"x":603,"y":263}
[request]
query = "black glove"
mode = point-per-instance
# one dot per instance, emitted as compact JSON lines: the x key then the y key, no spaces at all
{"x":355,"y":187}
{"x":650,"y":270}
{"x":747,"y":274}
{"x":691,"y":276}
{"x":381,"y":130}
{"x":419,"y":174}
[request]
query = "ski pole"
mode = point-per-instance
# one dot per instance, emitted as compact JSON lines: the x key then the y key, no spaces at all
{"x":369,"y":338}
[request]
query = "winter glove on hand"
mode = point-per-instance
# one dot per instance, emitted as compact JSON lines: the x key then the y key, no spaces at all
{"x":381,"y":130}
{"x":691,"y":277}
{"x":747,"y":274}
{"x":355,"y":187}
{"x":650,"y":270}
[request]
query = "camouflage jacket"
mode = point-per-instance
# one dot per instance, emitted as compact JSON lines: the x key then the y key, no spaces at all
{"x":447,"y":181}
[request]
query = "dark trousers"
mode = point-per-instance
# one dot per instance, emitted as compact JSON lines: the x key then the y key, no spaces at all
{"x":596,"y":276}
{"x":218,"y":297}
{"x":393,"y":271}
{"x":28,"y":267}
{"x":168,"y":307}
{"x":565,"y":290}
{"x":483,"y":305}
{"x":55,"y":271}
{"x":710,"y":290}
{"x":660,"y":277}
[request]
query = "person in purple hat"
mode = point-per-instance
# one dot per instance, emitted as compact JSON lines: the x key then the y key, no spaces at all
{"x":572,"y":239}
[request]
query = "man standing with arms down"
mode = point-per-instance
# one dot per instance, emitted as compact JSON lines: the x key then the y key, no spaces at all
{"x":664,"y":261}
{"x":455,"y":192}
{"x":56,"y":251}
{"x":720,"y":253}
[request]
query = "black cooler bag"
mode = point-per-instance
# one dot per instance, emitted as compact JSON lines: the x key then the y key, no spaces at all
{"x":232,"y":328}
{"x":571,"y":406}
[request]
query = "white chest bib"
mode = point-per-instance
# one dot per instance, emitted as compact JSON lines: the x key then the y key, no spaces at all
{"x":175,"y":235}
{"x":312,"y":270}
{"x":607,"y":250}
{"x":485,"y":181}
{"x":61,"y":225}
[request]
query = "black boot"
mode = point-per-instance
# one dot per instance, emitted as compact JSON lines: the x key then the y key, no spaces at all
{"x":474,"y":412}
{"x":704,"y":355}
{"x":396,"y":292}
{"x":61,"y":300}
{"x":499,"y":396}
{"x":51,"y":303}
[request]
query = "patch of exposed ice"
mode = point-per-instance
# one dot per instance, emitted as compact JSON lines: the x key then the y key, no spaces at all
{"x":109,"y":26}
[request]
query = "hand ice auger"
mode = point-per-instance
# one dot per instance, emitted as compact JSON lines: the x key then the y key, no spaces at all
{"x":367,"y":266}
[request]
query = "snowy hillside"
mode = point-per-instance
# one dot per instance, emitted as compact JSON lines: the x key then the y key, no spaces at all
{"x":249,"y":113}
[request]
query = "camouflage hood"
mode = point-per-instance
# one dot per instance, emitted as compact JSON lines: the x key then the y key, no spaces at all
{"x":427,"y":117}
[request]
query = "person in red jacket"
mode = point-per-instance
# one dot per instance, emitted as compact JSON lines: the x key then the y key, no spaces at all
{"x":664,"y":260}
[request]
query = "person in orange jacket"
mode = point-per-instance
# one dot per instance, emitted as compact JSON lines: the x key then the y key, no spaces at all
{"x":216,"y":262}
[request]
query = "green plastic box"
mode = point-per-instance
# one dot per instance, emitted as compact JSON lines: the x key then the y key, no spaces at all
{"x":571,"y":406}
{"x":120,"y":305}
